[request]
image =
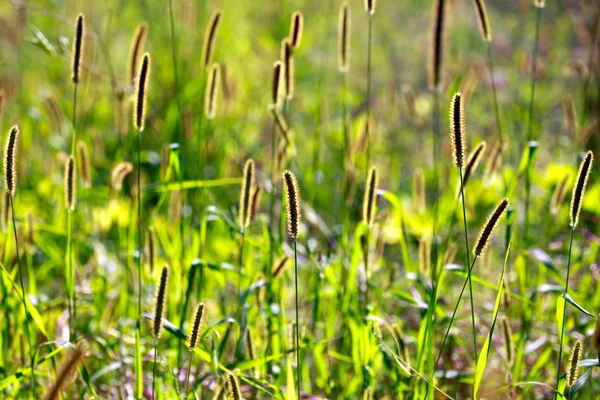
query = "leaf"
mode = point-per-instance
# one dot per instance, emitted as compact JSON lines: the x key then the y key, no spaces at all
{"x":174,"y":186}
{"x":570,"y":300}
{"x":560,"y":312}
{"x":485,"y":351}
{"x":139,"y":379}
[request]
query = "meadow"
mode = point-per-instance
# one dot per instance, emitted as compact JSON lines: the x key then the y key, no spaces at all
{"x":297,"y":199}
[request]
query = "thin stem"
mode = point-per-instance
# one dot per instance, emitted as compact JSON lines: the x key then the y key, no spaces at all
{"x":494,"y":94}
{"x":74,"y":137}
{"x":298,"y":360}
{"x":241,"y":263}
{"x":14,"y":223}
{"x":562,"y":331}
{"x":139,"y":216}
{"x":462,"y":192}
{"x":369,"y":96}
{"x":154,"y":369}
{"x":187,"y":379}
{"x":454,"y":312}
{"x":175,"y":73}
{"x":272,"y":205}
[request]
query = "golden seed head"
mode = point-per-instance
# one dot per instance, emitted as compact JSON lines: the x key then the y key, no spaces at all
{"x":141,"y":94}
{"x":135,"y":49}
{"x":287,"y":58}
{"x":418,"y":190}
{"x":558,"y":196}
{"x":119,"y":173}
{"x":246,"y":196}
{"x":196,"y":324}
{"x":370,"y":6}
{"x":209,"y":38}
{"x":212,"y":89}
{"x":580,"y":186}
{"x":66,"y":371}
{"x":344,"y":38}
{"x":85,"y":167}
{"x":10,"y":160}
{"x":160,"y":299}
{"x":494,"y":162}
{"x":296,"y":29}
{"x":539,"y":3}
{"x":488,"y":229}
{"x":70,"y":183}
{"x":292,"y":195}
{"x":370,"y":200}
{"x":482,"y":18}
{"x":438,"y":43}
{"x":279,"y":266}
{"x":472,"y":163}
{"x":277,"y":83}
{"x":458,"y":136}
{"x":574,"y":361}
{"x":77,"y":48}
{"x":234,"y":387}
{"x":255,"y":201}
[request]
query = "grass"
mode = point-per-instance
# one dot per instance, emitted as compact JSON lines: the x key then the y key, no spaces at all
{"x":368,"y":319}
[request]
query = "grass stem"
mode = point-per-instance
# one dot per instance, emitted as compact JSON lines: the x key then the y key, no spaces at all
{"x":187,"y":378}
{"x":298,"y":360}
{"x":368,"y":160}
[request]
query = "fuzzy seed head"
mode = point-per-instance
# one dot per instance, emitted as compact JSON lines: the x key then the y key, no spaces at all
{"x":287,"y":58}
{"x":458,"y":135}
{"x":196,"y":324}
{"x":77,"y":48}
{"x":277,"y":83}
{"x":246,"y":195}
{"x":558,"y":196}
{"x":296,"y":29}
{"x":66,"y":372}
{"x":574,"y":361}
{"x":418,"y":190}
{"x":581,"y":184}
{"x":494,"y":162}
{"x":488,"y":229}
{"x":10,"y":160}
{"x":370,"y":200}
{"x":279,"y":266}
{"x":118,"y":175}
{"x":570,"y":114}
{"x":234,"y":387}
{"x":472,"y":163}
{"x":70,"y":184}
{"x":344,"y":38}
{"x":135,"y":49}
{"x":292,"y":195}
{"x":209,"y":38}
{"x":370,"y":6}
{"x":539,"y":3}
{"x":85,"y":167}
{"x":160,"y":299}
{"x":255,"y":197}
{"x":141,"y":94}
{"x":212,"y":89}
{"x":482,"y":18}
{"x":438,"y":43}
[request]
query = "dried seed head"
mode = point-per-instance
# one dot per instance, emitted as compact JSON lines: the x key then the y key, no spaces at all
{"x":255,"y":201}
{"x":438,"y":43}
{"x":482,"y":18}
{"x":246,"y":195}
{"x":151,"y":248}
{"x":141,"y":94}
{"x":160,"y":299}
{"x":77,"y":48}
{"x":424,"y":256}
{"x":10,"y":160}
{"x":539,"y":3}
{"x":570,"y":114}
{"x":196,"y":324}
{"x":209,"y":38}
{"x":296,"y":29}
{"x":558,"y":196}
{"x":277,"y":83}
{"x":471,"y":165}
{"x":135,"y":49}
{"x":279,"y":266}
{"x":508,"y":340}
{"x":85,"y":167}
{"x":70,"y":184}
{"x":574,"y":361}
{"x":344,"y":38}
{"x":370,"y":6}
{"x":411,"y":104}
{"x":212,"y":88}
{"x":578,"y":67}
{"x":579,"y":190}
{"x":494,"y":162}
{"x":458,"y":135}
{"x":488,"y":229}
{"x":418,"y":190}
{"x":66,"y":372}
{"x":292,"y":195}
{"x":287,"y":58}
{"x":370,"y":200}
{"x":119,"y":173}
{"x":234,"y":387}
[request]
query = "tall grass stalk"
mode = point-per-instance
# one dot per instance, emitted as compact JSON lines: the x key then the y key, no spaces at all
{"x":369,"y":128}
{"x":31,"y":360}
{"x":298,"y":359}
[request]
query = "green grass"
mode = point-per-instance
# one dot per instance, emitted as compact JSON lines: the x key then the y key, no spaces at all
{"x":348,"y":343}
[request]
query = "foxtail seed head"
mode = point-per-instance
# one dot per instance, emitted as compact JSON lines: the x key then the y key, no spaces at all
{"x":77,"y":48}
{"x":539,"y":3}
{"x":234,"y":387}
{"x":119,"y":173}
{"x":482,"y":18}
{"x":472,"y":164}
{"x":558,"y":196}
{"x":574,"y":361}
{"x":196,"y":323}
{"x":570,"y":114}
{"x":494,"y":162}
{"x":85,"y":167}
{"x":370,"y":200}
{"x":287,"y":58}
{"x":141,"y":94}
{"x":212,"y":88}
{"x":255,"y":201}
{"x":135,"y":49}
{"x":579,"y":190}
{"x":66,"y":372}
{"x":279,"y":266}
{"x":292,"y":195}
{"x":344,"y":38}
{"x":70,"y":183}
{"x":438,"y":43}
{"x":246,"y":195}
{"x":370,"y":6}
{"x":418,"y":193}
{"x":488,"y":229}
{"x":209,"y":38}
{"x":296,"y":29}
{"x":10,"y":160}
{"x":458,"y":136}
{"x":160,"y":299}
{"x":277,"y":83}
